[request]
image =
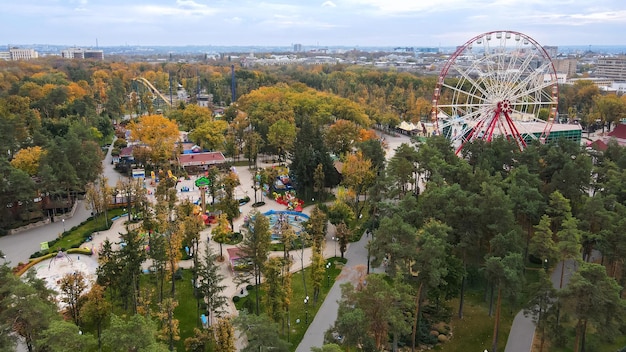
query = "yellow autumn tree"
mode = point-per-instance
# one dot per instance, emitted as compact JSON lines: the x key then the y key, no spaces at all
{"x":225,"y":335}
{"x":158,"y":134}
{"x":169,"y":331}
{"x":76,"y":91}
{"x":27,"y":159}
{"x":221,"y":232}
{"x":358,"y":175}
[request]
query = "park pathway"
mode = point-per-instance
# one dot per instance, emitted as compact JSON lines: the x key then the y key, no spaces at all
{"x":353,"y":271}
{"x":523,"y":329}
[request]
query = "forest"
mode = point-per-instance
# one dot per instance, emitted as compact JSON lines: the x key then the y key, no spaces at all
{"x":442,"y":225}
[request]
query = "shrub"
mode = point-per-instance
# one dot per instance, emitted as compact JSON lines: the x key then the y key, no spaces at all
{"x":244,"y":200}
{"x":236,"y":299}
{"x":178,"y":275}
{"x":249,"y":288}
{"x":120,"y":143}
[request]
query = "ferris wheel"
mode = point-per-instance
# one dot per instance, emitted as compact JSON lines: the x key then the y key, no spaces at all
{"x":500,"y":83}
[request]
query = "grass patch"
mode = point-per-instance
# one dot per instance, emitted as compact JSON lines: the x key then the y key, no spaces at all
{"x":78,"y":234}
{"x":187,"y":311}
{"x":298,"y":311}
{"x":476,"y":327}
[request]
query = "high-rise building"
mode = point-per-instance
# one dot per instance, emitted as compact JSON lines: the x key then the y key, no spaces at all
{"x":566,"y":66}
{"x":612,"y":67}
{"x":297,"y":48}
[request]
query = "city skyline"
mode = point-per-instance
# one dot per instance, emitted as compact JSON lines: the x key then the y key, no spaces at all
{"x":310,"y":23}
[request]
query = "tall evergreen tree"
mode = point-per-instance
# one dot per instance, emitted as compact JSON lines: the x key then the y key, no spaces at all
{"x":210,"y":284}
{"x":255,"y":247}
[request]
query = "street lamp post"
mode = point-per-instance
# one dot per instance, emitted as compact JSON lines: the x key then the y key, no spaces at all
{"x":368,"y":256}
{"x":545,"y":266}
{"x":63,"y":221}
{"x":327,"y":275}
{"x":335,"y":240}
{"x":306,"y":310}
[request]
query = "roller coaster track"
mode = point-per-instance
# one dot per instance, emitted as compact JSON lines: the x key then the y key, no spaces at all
{"x":153,"y":90}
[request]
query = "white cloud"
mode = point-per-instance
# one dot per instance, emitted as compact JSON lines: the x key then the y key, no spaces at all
{"x":353,"y":22}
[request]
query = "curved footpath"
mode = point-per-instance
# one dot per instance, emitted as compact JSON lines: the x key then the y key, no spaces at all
{"x":522,"y":331}
{"x":18,"y":247}
{"x":352,"y":272}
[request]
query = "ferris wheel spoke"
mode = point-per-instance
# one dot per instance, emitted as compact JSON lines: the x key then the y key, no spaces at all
{"x":462,"y":92}
{"x":472,"y":106}
{"x":521,"y":89}
{"x":539,"y":103}
{"x":522,"y":68}
{"x":533,"y":90}
{"x":475,"y":84}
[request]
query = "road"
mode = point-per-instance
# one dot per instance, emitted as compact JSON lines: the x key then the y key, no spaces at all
{"x":19,"y":246}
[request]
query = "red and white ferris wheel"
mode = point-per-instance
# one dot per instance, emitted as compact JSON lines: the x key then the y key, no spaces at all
{"x":499,"y":83}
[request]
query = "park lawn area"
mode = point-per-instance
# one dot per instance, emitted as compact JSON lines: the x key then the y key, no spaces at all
{"x":593,"y":341}
{"x":187,"y":311}
{"x":298,"y":311}
{"x":476,"y":327}
{"x":76,"y":236}
{"x":475,"y":330}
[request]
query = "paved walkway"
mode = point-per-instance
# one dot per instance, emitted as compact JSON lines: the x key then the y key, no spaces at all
{"x":523,"y":329}
{"x":19,"y":246}
{"x":354,"y":271}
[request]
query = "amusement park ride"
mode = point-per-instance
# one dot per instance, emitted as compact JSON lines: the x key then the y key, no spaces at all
{"x":499,"y":83}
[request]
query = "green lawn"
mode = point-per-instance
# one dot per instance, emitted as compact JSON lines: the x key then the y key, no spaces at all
{"x":187,"y":311}
{"x":298,"y":310}
{"x":76,"y":236}
{"x":476,"y":327}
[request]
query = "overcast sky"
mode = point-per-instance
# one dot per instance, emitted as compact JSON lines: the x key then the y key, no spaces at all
{"x":308,"y":22}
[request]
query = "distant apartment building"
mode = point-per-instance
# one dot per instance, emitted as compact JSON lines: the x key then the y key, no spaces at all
{"x":612,"y":67}
{"x":297,"y":48}
{"x":566,"y":66}
{"x":18,"y":54}
{"x":551,"y":50}
{"x":80,"y":53}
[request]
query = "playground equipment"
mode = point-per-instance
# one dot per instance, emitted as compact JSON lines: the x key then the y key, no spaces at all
{"x":202,"y":183}
{"x":289,"y":200}
{"x":279,"y":219}
{"x":54,"y":269}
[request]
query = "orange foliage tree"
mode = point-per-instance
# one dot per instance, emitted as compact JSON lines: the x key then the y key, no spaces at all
{"x":158,"y":134}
